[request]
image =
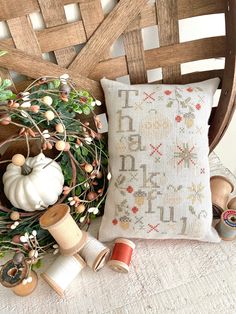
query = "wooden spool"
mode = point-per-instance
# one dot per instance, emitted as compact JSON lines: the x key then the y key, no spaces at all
{"x":24,"y":290}
{"x":62,"y":272}
{"x":232,"y":203}
{"x":121,"y":255}
{"x":58,"y":221}
{"x":221,"y":187}
{"x":226,"y":227}
{"x":25,"y":46}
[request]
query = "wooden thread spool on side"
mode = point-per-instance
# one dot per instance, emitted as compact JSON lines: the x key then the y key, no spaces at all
{"x":24,"y":290}
{"x":232,"y":203}
{"x":227,"y":225}
{"x":12,"y":275}
{"x":62,"y":272}
{"x":221,"y":187}
{"x":121,"y":255}
{"x":58,"y":221}
{"x":94,"y":253}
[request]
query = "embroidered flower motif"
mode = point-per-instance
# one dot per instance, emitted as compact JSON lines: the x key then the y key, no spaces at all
{"x":198,"y":106}
{"x":196,"y":194}
{"x":178,"y":118}
{"x":185,"y":155}
{"x":129,"y":189}
{"x":190,"y":90}
{"x":115,"y":221}
{"x":134,"y":209}
{"x":167,"y":92}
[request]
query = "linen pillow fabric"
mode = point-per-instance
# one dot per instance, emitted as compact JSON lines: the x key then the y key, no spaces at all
{"x":158,"y":157}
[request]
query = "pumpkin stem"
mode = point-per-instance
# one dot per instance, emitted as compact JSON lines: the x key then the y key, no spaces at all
{"x":25,"y":170}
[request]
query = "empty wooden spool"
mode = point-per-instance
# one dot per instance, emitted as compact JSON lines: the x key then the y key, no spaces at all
{"x":221,"y":187}
{"x":58,"y":221}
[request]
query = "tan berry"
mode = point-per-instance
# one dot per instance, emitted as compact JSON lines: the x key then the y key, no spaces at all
{"x":35,"y":108}
{"x":16,"y":238}
{"x":15,"y":216}
{"x":80,"y":209}
{"x":99,"y":174}
{"x":47,"y":100}
{"x":49,"y":115}
{"x":88,"y":168}
{"x":33,"y":253}
{"x":5,"y":119}
{"x":60,"y":145}
{"x":91,"y":196}
{"x":18,"y":160}
{"x":60,"y":128}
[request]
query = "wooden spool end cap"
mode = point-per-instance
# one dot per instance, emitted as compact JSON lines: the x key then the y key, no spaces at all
{"x":232,"y":203}
{"x":77,"y":247}
{"x":118,"y":266}
{"x":80,"y":260}
{"x":222,"y":178}
{"x":24,"y":290}
{"x":53,"y":284}
{"x":101,"y":259}
{"x":54,"y":216}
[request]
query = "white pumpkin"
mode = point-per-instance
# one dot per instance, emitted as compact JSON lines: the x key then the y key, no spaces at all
{"x":36,"y":190}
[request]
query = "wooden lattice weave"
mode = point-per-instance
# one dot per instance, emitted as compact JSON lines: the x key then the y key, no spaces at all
{"x":98,"y":33}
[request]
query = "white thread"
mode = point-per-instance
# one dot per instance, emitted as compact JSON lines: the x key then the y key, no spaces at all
{"x":64,"y":270}
{"x":94,"y":253}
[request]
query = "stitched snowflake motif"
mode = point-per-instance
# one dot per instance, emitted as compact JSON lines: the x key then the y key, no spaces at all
{"x":185,"y":155}
{"x":196,"y":193}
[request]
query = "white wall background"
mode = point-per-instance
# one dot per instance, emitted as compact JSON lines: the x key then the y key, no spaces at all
{"x":190,"y":29}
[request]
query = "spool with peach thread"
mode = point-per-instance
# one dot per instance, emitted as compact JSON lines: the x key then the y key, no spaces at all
{"x":121,"y":255}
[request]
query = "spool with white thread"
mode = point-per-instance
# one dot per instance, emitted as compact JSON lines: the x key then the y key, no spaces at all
{"x":58,"y":221}
{"x":94,"y":253}
{"x":227,"y":225}
{"x":63,"y":271}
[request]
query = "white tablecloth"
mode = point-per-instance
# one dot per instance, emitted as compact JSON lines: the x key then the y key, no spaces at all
{"x":165,"y":277}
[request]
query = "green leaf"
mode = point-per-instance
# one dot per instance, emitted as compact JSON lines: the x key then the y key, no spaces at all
{"x":38,"y":264}
{"x":86,"y":110}
{"x":84,"y":151}
{"x":5,"y":95}
{"x":78,"y":190}
{"x":51,"y":85}
{"x":2,"y":254}
{"x":2,"y":53}
{"x":57,"y":83}
{"x":5,"y":83}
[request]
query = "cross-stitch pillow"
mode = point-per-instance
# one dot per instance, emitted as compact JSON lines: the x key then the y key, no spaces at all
{"x":158,"y":156}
